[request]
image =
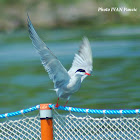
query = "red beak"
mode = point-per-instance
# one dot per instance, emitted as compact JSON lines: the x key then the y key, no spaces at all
{"x":87,"y":73}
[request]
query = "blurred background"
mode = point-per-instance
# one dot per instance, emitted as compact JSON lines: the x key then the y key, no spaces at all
{"x":115,"y":41}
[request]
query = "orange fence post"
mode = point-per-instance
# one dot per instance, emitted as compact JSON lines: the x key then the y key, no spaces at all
{"x":46,"y":122}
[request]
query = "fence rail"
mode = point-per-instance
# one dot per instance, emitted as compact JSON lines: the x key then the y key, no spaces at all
{"x":73,"y":109}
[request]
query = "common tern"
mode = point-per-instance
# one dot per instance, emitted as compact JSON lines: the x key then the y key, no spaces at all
{"x":65,"y":82}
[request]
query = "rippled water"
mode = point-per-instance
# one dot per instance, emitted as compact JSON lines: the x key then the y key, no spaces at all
{"x":115,"y":84}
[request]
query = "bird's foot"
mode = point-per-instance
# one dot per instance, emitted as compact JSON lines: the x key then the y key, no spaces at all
{"x":57,"y":105}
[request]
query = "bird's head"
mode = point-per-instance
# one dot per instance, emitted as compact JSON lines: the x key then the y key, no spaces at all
{"x":82,"y":72}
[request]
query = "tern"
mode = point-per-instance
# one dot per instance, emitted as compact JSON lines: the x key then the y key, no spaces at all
{"x":65,"y":82}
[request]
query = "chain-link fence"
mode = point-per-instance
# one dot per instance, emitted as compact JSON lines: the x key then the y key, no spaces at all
{"x":71,"y":126}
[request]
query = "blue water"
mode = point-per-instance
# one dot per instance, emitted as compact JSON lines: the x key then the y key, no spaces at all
{"x":114,"y":84}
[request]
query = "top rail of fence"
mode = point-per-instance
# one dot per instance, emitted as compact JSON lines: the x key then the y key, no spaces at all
{"x":73,"y":109}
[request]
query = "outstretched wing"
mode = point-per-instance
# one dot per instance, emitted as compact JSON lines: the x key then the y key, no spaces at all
{"x":52,"y":65}
{"x":82,"y":60}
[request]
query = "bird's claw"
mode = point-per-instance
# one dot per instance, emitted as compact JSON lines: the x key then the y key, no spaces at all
{"x":57,"y":105}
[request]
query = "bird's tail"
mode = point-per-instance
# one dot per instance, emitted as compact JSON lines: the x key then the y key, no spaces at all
{"x":54,"y":89}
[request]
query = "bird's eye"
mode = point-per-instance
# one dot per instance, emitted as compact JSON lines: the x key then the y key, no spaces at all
{"x":80,"y":70}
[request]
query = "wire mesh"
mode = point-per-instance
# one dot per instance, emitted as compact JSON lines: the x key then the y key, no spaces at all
{"x":25,"y":128}
{"x":71,"y":127}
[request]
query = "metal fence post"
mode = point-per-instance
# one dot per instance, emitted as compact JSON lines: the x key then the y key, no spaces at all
{"x":46,"y":122}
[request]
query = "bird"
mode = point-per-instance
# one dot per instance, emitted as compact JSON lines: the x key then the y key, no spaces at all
{"x":65,"y":82}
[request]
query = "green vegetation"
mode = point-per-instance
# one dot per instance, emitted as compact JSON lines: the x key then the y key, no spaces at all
{"x":62,"y":13}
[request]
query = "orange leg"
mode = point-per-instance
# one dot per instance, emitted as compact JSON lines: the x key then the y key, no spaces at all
{"x":66,"y":103}
{"x":57,"y":105}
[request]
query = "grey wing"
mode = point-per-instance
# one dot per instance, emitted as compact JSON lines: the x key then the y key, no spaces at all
{"x":52,"y":65}
{"x":82,"y":60}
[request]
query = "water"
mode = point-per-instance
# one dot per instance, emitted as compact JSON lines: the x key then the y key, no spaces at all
{"x":115,"y":84}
